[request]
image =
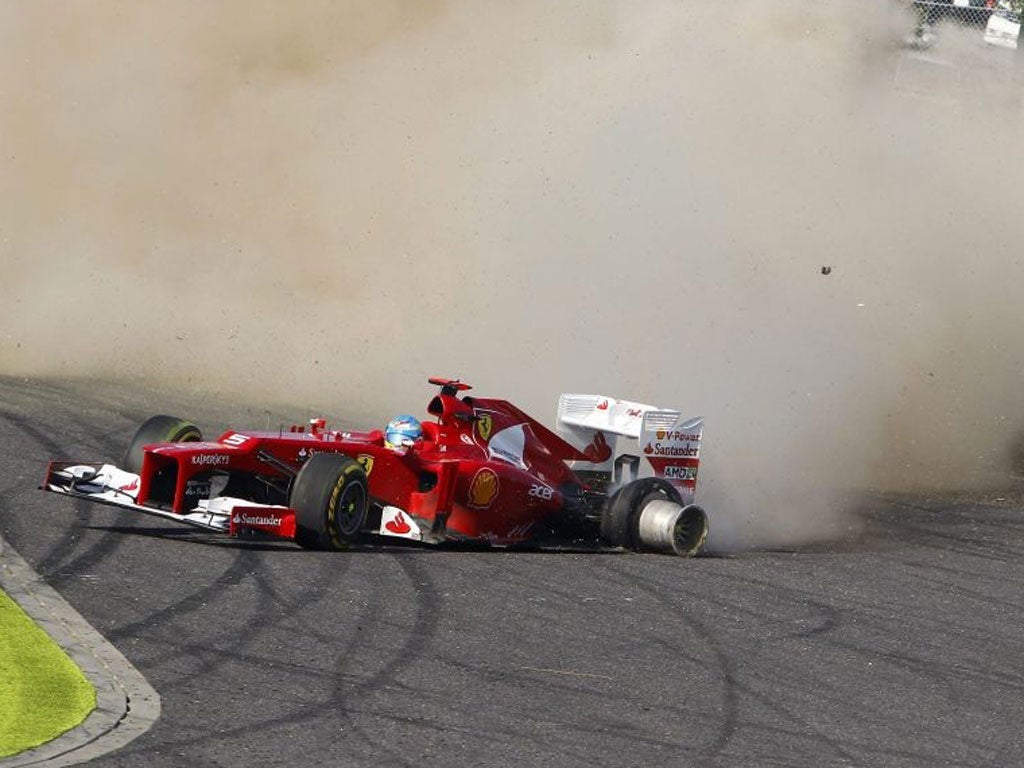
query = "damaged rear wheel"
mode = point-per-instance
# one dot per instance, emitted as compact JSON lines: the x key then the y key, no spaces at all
{"x":649,"y":514}
{"x":668,"y":527}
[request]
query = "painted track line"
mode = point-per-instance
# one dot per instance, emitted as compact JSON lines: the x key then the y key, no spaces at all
{"x":126,"y":705}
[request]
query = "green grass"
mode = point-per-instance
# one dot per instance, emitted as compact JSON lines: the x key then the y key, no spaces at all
{"x":42,"y":692}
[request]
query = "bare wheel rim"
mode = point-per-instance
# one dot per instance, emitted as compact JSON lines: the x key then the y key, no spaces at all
{"x":688,"y":531}
{"x":350,"y":509}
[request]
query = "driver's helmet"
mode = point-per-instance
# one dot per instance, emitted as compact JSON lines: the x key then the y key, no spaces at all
{"x":402,"y":431}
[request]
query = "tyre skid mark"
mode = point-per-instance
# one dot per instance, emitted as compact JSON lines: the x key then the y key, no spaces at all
{"x":803,"y":729}
{"x":515,"y":733}
{"x":941,"y":676}
{"x":733,"y":687}
{"x":315,"y":708}
{"x":418,"y":637}
{"x":56,"y":559}
{"x":424,"y":628}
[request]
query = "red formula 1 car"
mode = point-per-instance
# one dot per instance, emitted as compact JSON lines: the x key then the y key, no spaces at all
{"x":481,"y":471}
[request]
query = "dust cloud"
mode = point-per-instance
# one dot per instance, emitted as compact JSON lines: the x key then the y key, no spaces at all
{"x":326,"y":202}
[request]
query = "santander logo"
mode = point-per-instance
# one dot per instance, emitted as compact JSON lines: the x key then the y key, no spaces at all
{"x":132,"y":486}
{"x":398,"y":524}
{"x":602,"y":406}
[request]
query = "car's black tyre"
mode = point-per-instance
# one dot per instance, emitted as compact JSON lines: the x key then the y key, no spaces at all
{"x":158,"y":429}
{"x":330,"y":499}
{"x":620,"y":519}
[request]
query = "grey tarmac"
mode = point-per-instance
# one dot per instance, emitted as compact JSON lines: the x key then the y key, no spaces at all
{"x":900,"y":647}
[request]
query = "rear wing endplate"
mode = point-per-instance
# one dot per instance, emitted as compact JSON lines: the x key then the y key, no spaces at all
{"x":669,"y":441}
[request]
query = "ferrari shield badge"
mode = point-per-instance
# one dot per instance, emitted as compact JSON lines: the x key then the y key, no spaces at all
{"x":483,"y":427}
{"x":365,"y":461}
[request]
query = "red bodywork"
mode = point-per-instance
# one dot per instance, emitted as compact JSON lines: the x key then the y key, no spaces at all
{"x":483,"y":470}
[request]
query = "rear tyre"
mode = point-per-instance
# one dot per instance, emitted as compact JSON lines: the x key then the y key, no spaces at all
{"x":620,"y":520}
{"x":330,"y":499}
{"x":158,"y":429}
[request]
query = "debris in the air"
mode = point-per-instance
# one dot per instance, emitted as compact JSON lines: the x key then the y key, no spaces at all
{"x":826,"y":270}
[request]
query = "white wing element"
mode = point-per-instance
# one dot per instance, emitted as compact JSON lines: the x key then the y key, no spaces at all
{"x":396,"y":522}
{"x":671,"y":445}
{"x":107,"y":484}
{"x":665,"y":439}
{"x":602,"y":413}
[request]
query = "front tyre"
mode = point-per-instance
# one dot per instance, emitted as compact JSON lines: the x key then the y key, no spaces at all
{"x":330,"y":499}
{"x":158,"y":429}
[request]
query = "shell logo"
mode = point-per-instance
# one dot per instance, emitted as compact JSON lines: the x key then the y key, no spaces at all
{"x":661,"y":434}
{"x":483,"y":489}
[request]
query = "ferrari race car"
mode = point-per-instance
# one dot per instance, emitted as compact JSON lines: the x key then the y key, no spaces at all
{"x":482,"y":471}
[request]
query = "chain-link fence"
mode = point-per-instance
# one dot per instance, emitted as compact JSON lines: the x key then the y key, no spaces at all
{"x":969,"y":12}
{"x":957,"y":57}
{"x":999,"y":21}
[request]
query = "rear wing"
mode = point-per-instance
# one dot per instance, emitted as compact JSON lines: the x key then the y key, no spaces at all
{"x":668,"y":441}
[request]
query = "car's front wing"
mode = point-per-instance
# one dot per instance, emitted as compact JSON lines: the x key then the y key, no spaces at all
{"x":106,"y":484}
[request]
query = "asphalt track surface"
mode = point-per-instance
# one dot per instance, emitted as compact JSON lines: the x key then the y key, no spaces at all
{"x":901,"y":648}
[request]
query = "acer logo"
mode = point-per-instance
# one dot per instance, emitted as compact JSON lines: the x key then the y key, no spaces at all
{"x":541,"y":492}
